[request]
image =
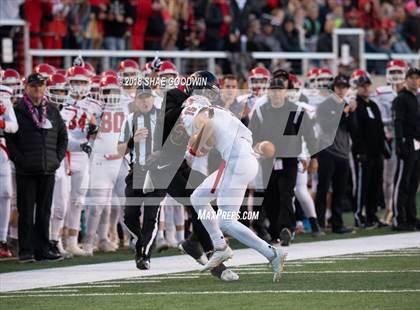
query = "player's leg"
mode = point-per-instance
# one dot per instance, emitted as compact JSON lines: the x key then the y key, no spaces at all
{"x":5,"y":204}
{"x":79,"y":186}
{"x":306,"y":201}
{"x":179,"y":219}
{"x":61,"y":200}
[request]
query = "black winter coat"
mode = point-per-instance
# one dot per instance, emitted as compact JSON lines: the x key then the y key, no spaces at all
{"x":37,"y":151}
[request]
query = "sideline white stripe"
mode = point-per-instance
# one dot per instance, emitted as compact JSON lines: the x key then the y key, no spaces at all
{"x":216,"y":293}
{"x":24,"y":280}
{"x":319,"y":272}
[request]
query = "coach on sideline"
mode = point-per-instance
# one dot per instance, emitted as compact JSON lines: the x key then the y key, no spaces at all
{"x":36,"y":149}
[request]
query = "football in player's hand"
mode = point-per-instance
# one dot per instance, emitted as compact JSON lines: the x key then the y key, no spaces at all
{"x":266,"y":149}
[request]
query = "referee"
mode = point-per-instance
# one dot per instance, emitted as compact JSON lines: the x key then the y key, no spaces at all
{"x":136,"y":139}
{"x":406,"y":107}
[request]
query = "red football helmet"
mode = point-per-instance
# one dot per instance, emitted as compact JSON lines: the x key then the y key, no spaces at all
{"x":110,"y":90}
{"x":94,"y":87}
{"x":109,"y":72}
{"x":395,"y":71}
{"x":61,"y":71}
{"x":90,"y":69}
{"x":79,"y":81}
{"x":167,"y":74}
{"x":324,"y":78}
{"x":356,"y":75}
{"x":11,"y":78}
{"x":45,"y":70}
{"x":128,"y":67}
{"x":57,"y":89}
{"x":311,"y":77}
{"x":258,"y":80}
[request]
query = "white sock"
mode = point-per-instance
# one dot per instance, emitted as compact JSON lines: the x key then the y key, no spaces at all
{"x":160,"y":234}
{"x":13,"y":232}
{"x":210,"y":223}
{"x":180,"y":235}
{"x":4,"y":217}
{"x":71,"y":240}
{"x":55,"y":226}
{"x":247,"y":237}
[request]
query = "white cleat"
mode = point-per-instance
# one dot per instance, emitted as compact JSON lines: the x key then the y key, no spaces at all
{"x":106,"y":246}
{"x":277,"y":264}
{"x":218,"y":257}
{"x":171,"y":241}
{"x":63,"y":252}
{"x":161,"y":245}
{"x":76,"y":251}
{"x":229,"y":276}
{"x":88,"y":248}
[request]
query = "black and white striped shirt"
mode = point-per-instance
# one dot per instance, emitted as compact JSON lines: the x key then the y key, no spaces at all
{"x":143,"y":148}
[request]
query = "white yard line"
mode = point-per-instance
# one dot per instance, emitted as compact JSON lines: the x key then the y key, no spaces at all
{"x":189,"y":293}
{"x":24,"y":280}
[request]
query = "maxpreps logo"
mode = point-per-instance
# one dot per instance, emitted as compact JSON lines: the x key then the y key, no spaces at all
{"x":228,"y":215}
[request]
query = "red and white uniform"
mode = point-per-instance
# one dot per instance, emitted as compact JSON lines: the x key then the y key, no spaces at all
{"x":8,"y":118}
{"x":228,"y":185}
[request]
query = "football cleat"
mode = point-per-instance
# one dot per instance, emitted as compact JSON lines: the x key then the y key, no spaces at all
{"x":218,"y":257}
{"x":63,"y":252}
{"x":106,"y":246}
{"x":229,"y":276}
{"x":4,"y":250}
{"x":161,"y":245}
{"x":194,"y":250}
{"x":285,"y":237}
{"x":76,"y":251}
{"x":277,"y":263}
{"x":172,"y":243}
{"x":143,"y":263}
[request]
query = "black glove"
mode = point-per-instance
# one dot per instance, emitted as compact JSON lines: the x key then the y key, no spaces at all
{"x":86,"y":148}
{"x":92,"y":129}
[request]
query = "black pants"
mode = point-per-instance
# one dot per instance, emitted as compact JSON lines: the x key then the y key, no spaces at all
{"x":34,"y":190}
{"x":180,"y":187}
{"x":278,"y":198}
{"x":406,"y":184}
{"x":332,"y":171}
{"x":147,"y":233}
{"x":369,"y":176}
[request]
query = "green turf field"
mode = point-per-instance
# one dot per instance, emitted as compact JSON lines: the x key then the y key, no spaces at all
{"x":376,"y":280}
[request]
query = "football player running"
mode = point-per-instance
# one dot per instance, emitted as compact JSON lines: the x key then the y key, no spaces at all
{"x":207,"y":127}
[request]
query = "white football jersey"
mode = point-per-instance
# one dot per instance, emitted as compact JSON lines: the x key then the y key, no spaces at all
{"x":111,"y":122}
{"x":76,"y":115}
{"x":383,"y":97}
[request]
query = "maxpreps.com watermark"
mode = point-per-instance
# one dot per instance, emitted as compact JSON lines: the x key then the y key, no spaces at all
{"x":228,"y":215}
{"x":162,"y":82}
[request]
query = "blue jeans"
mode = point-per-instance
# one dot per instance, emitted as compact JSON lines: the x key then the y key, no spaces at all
{"x":114,"y":44}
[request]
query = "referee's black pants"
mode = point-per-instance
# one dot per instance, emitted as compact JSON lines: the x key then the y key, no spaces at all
{"x":34,"y":198}
{"x":132,"y":212}
{"x":334,"y":171}
{"x":406,"y":184}
{"x":278,"y":198}
{"x":181,"y":188}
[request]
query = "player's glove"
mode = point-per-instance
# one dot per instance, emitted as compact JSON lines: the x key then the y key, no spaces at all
{"x":156,"y":63}
{"x":92,"y":129}
{"x":86,"y":148}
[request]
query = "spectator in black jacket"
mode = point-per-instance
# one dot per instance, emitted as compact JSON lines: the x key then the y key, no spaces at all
{"x":368,"y":149}
{"x":333,"y":162}
{"x":407,"y":135}
{"x":36,"y":149}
